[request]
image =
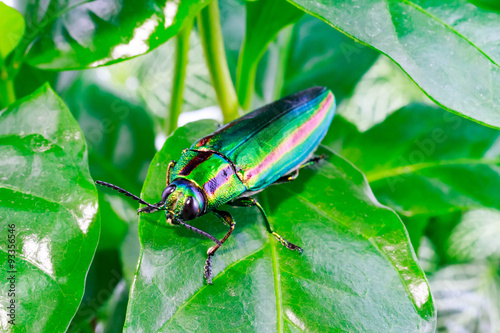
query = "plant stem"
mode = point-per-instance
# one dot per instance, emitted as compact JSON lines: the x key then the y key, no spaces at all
{"x":284,"y":46}
{"x":181,"y":60}
{"x":7,"y":93}
{"x":213,"y":45}
{"x":245,"y":78}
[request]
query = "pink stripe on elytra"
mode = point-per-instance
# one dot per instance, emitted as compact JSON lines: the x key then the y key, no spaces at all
{"x":297,"y":137}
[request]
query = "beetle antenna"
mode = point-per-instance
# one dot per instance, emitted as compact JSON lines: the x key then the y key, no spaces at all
{"x":127,"y":193}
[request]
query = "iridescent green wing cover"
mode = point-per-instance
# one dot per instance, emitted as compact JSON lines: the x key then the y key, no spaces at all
{"x":272,"y":141}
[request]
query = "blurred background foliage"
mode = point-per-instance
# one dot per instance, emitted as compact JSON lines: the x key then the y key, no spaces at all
{"x":438,"y":170}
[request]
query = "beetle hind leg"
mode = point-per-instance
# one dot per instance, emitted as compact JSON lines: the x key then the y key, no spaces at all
{"x":249,"y":202}
{"x":286,"y":243}
{"x":294,"y":174}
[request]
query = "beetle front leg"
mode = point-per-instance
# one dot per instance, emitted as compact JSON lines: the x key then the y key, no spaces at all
{"x":249,"y":202}
{"x":171,"y":165}
{"x":228,"y":219}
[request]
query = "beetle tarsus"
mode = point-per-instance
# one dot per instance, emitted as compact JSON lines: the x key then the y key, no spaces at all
{"x":227,"y":219}
{"x":287,"y":244}
{"x":208,"y":269}
{"x":249,"y":202}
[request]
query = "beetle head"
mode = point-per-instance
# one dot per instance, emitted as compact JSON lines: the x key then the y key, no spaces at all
{"x":183,"y":200}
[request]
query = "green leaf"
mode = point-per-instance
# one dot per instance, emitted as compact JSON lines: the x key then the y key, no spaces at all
{"x":69,"y":35}
{"x":264,"y":20}
{"x":383,"y":89}
{"x":467,"y":297}
{"x":474,"y":237}
{"x":47,"y":193}
{"x":319,"y":55}
{"x":358,"y":268}
{"x":467,"y":292}
{"x":444,"y":46}
{"x":423,"y":160}
{"x":12,"y":26}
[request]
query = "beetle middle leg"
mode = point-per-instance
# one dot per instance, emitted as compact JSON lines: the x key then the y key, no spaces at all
{"x":250,"y":202}
{"x":228,"y":219}
{"x":171,"y":165}
{"x":292,"y":176}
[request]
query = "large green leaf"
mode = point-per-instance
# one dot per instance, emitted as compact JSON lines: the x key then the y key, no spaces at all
{"x":46,"y":192}
{"x":357,"y":273}
{"x":449,"y":48}
{"x":76,"y":34}
{"x":423,"y":160}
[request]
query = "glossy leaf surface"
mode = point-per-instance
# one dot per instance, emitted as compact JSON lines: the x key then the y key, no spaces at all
{"x":441,"y":163}
{"x":357,"y":273}
{"x":46,"y":191}
{"x":435,"y":42}
{"x":78,"y":34}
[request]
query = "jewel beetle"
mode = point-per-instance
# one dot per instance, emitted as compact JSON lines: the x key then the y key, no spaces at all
{"x":264,"y":147}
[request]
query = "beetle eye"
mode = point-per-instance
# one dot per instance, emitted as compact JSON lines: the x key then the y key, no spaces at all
{"x":166,"y":192}
{"x":191,"y":209}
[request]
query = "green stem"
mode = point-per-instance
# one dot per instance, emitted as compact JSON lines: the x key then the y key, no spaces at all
{"x":181,"y":60}
{"x":213,"y":45}
{"x":7,"y":93}
{"x":284,"y":46}
{"x":245,"y":78}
